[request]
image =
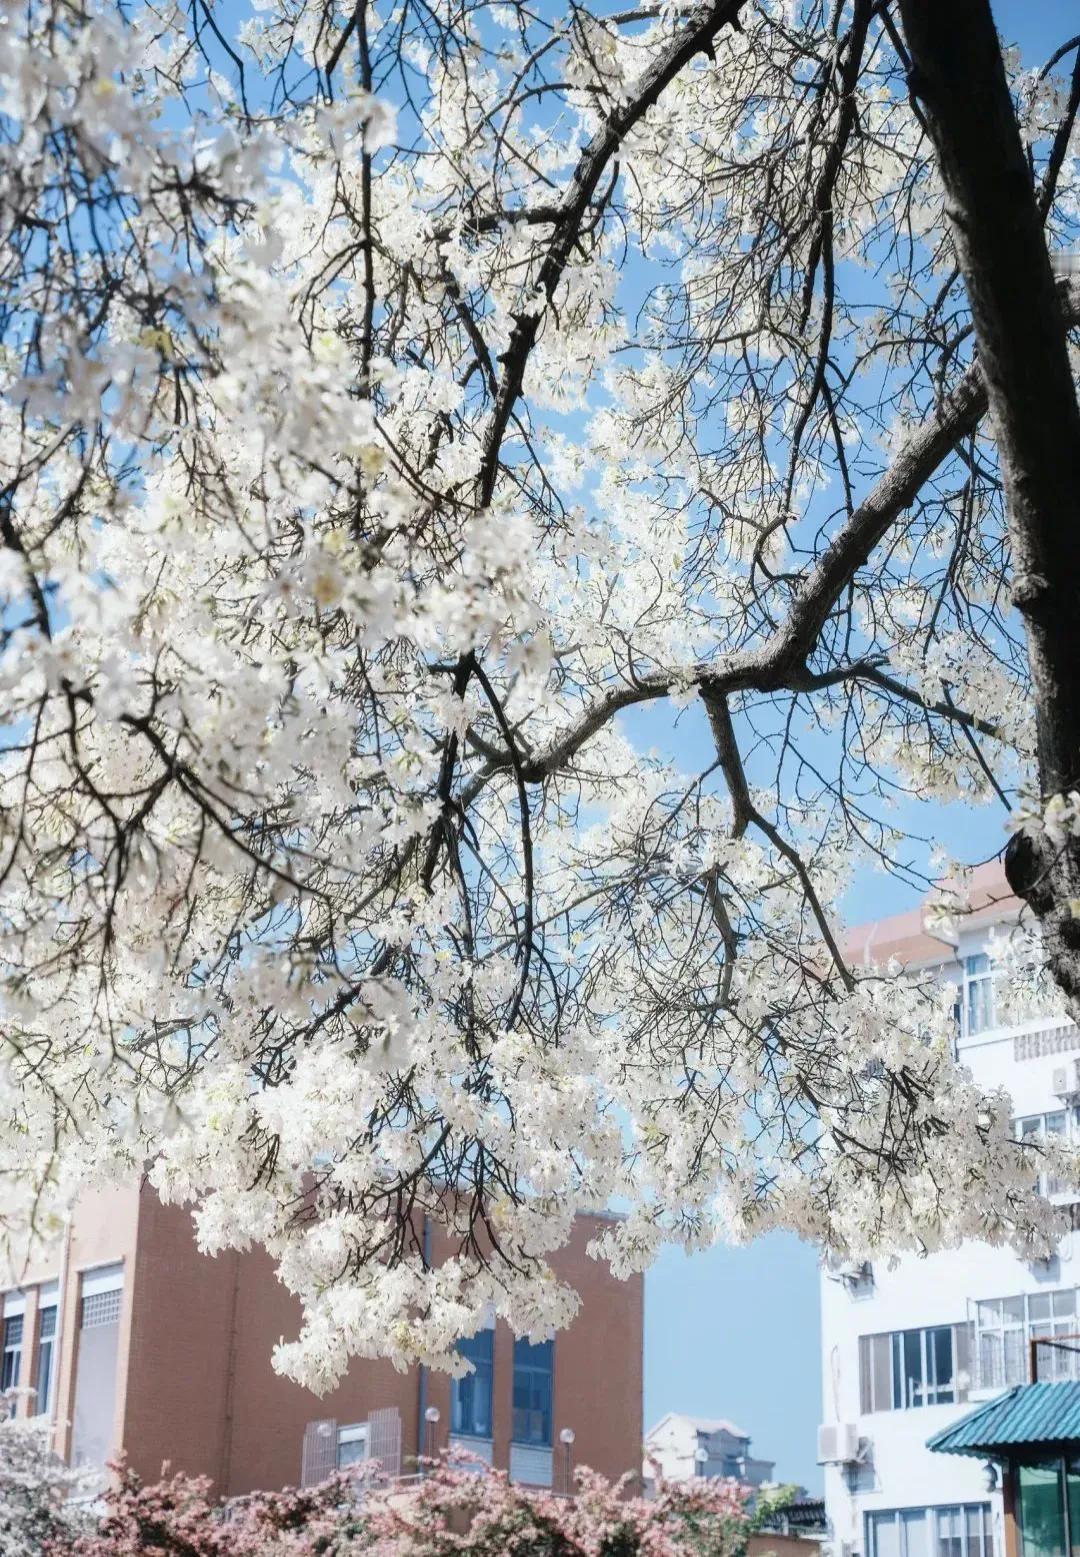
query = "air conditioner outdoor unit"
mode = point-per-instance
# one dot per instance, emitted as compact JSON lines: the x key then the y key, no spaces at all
{"x":837,"y":1443}
{"x":1065,"y":1080}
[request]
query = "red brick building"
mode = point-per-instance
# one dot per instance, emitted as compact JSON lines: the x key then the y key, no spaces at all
{"x":136,"y":1342}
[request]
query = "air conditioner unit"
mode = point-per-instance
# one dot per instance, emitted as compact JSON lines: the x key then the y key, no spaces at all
{"x":1065,"y":1080}
{"x":837,"y":1443}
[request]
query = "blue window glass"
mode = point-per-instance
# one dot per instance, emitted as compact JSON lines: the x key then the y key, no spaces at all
{"x":534,"y":1368}
{"x":471,"y":1395}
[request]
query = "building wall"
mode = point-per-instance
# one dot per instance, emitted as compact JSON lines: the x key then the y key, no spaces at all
{"x":196,"y":1387}
{"x":941,"y":1289}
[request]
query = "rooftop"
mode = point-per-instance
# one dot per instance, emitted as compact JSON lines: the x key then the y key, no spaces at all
{"x":700,"y":1424}
{"x":907,"y":937}
{"x":1027,"y":1415}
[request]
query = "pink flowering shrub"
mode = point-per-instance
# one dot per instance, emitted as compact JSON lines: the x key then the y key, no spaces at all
{"x":458,"y":1510}
{"x":177,"y":1517}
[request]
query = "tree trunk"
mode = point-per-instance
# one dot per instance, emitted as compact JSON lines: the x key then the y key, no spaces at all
{"x":958,"y":76}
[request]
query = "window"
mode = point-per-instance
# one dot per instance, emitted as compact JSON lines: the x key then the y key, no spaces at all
{"x":100,"y":1308}
{"x":352,"y":1444}
{"x":1037,"y":1128}
{"x":1005,"y":1327}
{"x":96,"y":1350}
{"x":533,"y":1369}
{"x":471,"y":1395}
{"x":12,"y":1357}
{"x":960,"y":1531}
{"x":912,"y":1368}
{"x":978,"y":995}
{"x":46,"y":1343}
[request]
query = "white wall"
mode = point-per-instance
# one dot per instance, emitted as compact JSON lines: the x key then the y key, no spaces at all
{"x":940,"y":1289}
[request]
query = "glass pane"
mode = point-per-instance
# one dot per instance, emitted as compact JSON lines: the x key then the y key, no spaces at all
{"x":1039,"y":1305}
{"x":1055,"y":1124}
{"x":351,"y":1452}
{"x":1072,"y":1482}
{"x":913,"y":1533}
{"x":882,"y":1535}
{"x":1012,"y":1310}
{"x":989,"y":1314}
{"x":991,"y":1367}
{"x":973,"y":1529}
{"x":1064,"y":1302}
{"x":980,"y":1005}
{"x":881,"y":1378}
{"x":532,"y":1392}
{"x":950,"y":1541}
{"x":44,"y":1376}
{"x":913,"y":1368}
{"x":1041,"y":1510}
{"x":470,"y":1398}
{"x":941,"y":1348}
{"x":1016,"y":1361}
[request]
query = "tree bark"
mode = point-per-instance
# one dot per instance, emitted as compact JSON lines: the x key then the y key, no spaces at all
{"x":958,"y":75}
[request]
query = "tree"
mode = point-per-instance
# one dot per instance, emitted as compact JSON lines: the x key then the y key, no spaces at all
{"x":35,"y":1493}
{"x":497,"y":508}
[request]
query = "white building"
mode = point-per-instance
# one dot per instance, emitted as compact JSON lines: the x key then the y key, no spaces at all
{"x":679,"y":1447}
{"x":906,"y":1351}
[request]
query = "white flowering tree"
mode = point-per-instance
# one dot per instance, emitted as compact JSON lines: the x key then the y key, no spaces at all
{"x":399,"y":398}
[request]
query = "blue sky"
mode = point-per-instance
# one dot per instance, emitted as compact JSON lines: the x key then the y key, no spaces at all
{"x":734,"y":1332}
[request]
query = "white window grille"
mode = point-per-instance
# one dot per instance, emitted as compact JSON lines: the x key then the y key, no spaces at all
{"x":958,"y":1530}
{"x":100,"y":1308}
{"x":1005,"y":1328}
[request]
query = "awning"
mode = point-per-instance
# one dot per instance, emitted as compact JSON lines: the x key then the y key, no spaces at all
{"x":1031,"y":1414}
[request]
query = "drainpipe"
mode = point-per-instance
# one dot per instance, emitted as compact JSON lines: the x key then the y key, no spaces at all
{"x":58,"y":1339}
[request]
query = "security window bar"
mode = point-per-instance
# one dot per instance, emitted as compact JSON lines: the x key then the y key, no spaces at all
{"x":1005,"y":1327}
{"x":46,"y":1346}
{"x":533,"y":1379}
{"x":957,"y":1530}
{"x":100,"y":1308}
{"x":471,"y":1395}
{"x":12,"y":1355}
{"x":906,"y":1369}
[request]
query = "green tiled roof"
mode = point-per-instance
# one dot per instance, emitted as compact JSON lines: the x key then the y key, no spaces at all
{"x":1029,"y":1414}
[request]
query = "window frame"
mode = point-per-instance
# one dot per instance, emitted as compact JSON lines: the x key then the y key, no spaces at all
{"x":931,"y":1518}
{"x":1058,"y":1321}
{"x":352,"y":1432}
{"x":889,"y":1351}
{"x":46,"y":1357}
{"x":1047,"y":1184}
{"x":11,"y":1347}
{"x":479,"y":1385}
{"x":977,"y":996}
{"x":530,"y":1371}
